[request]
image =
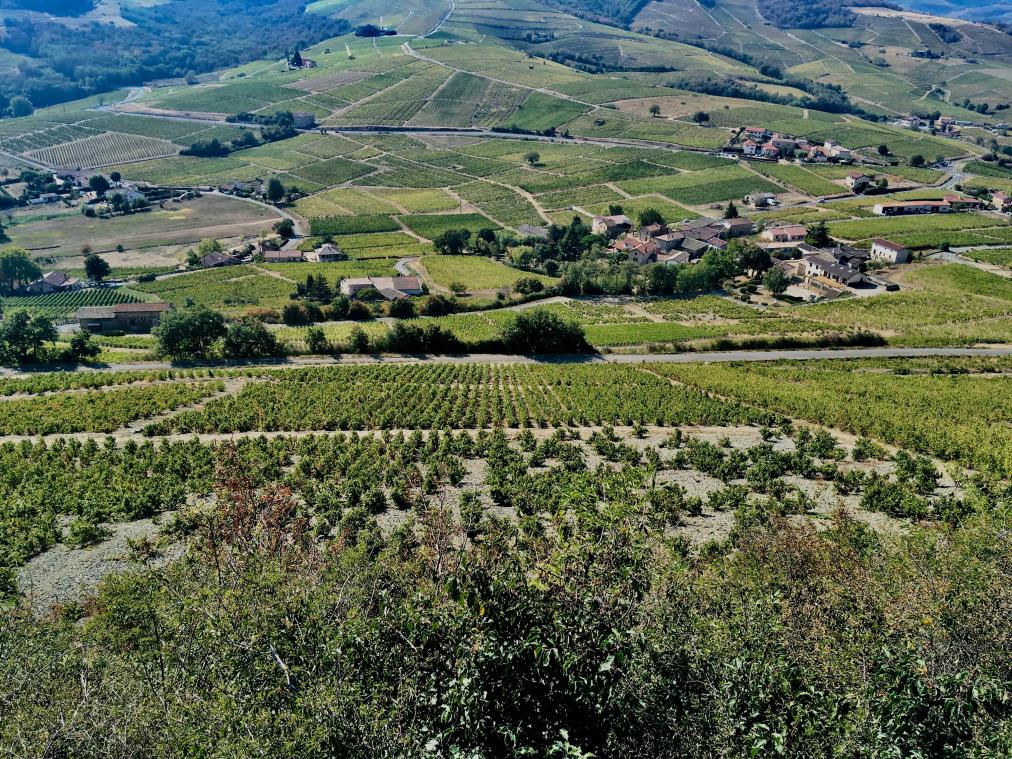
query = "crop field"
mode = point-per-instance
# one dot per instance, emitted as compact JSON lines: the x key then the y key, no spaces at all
{"x":334,"y":272}
{"x":391,"y":397}
{"x":62,"y":306}
{"x":947,"y":304}
{"x":956,"y":420}
{"x":99,"y":410}
{"x":352,"y":225}
{"x":146,"y":126}
{"x":476,"y":272}
{"x":431,"y":226}
{"x":398,"y":173}
{"x":343,"y":201}
{"x":501,"y":203}
{"x":418,"y":201}
{"x":997,"y":256}
{"x":672,"y":212}
{"x":233,"y":97}
{"x":799,"y":177}
{"x":177,"y":224}
{"x":608,"y":123}
{"x":540,"y":112}
{"x":580,"y":196}
{"x":107,"y":149}
{"x":467,"y":100}
{"x":332,"y":171}
{"x":937,"y":224}
{"x":699,"y":188}
{"x":382,"y":245}
{"x":231,"y":289}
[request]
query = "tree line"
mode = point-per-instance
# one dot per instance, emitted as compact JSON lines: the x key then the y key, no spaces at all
{"x":168,"y":40}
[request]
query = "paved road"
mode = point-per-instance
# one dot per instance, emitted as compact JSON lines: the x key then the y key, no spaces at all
{"x":594,"y":358}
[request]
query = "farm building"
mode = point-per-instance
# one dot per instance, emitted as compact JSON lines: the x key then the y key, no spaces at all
{"x":52,"y":282}
{"x":884,"y":250}
{"x":857,"y":181}
{"x":960,"y":203}
{"x":911,"y":207}
{"x":123,"y":317}
{"x":829,"y":268}
{"x":304,"y":120}
{"x":1000,"y":201}
{"x":787,"y":234}
{"x":217,"y":259}
{"x":610,"y":225}
{"x":326,"y":253}
{"x":740,"y":227}
{"x":43,"y":199}
{"x":391,"y":288}
{"x":283,"y":257}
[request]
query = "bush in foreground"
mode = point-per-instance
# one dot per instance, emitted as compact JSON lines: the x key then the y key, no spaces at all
{"x":540,"y":331}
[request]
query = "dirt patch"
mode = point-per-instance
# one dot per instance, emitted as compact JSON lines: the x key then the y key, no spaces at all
{"x":63,"y":574}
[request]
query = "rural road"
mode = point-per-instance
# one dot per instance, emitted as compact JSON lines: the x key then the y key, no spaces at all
{"x":592,"y":358}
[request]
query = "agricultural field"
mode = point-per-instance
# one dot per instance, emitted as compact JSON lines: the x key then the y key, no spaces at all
{"x":800,"y":178}
{"x":62,"y":306}
{"x":334,"y":272}
{"x":232,"y":97}
{"x":103,"y":410}
{"x":431,"y":226}
{"x":672,"y":212}
{"x":352,"y":225}
{"x":106,"y":149}
{"x":938,"y":227}
{"x":155,"y":238}
{"x":895,"y":401}
{"x":997,"y":256}
{"x":949,"y":304}
{"x":416,"y":397}
{"x":503,"y":204}
{"x":475,"y":272}
{"x":231,"y":289}
{"x":343,"y":202}
{"x":700,"y":188}
{"x":382,"y":245}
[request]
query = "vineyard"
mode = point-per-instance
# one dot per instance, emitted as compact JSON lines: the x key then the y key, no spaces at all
{"x":62,"y":306}
{"x":955,"y":419}
{"x":950,"y":403}
{"x":103,"y":410}
{"x":232,"y":288}
{"x":105,"y":149}
{"x":448,"y":397}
